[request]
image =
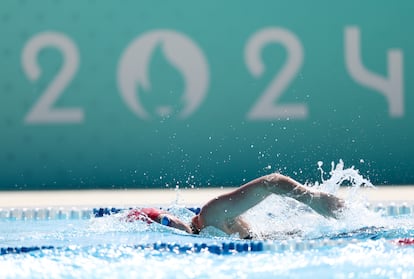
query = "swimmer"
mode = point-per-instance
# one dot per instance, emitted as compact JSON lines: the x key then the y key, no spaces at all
{"x":224,"y":212}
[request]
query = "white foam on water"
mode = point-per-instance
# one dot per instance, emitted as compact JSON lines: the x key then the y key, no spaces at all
{"x":281,"y":218}
{"x":284,"y":218}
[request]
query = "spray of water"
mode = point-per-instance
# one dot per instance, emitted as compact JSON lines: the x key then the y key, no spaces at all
{"x":285,"y":218}
{"x":340,"y":175}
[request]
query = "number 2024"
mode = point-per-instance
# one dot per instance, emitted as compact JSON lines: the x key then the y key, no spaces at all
{"x":265,"y":108}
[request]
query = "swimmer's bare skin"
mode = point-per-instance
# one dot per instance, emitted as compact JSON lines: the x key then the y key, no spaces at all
{"x":224,"y":211}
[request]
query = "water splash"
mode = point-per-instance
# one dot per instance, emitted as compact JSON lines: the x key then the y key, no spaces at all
{"x":284,"y":218}
{"x":338,"y":175}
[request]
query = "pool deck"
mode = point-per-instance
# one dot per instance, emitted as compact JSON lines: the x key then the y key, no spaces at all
{"x":133,"y":197}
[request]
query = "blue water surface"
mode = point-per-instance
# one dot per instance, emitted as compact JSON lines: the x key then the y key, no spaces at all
{"x":109,"y":247}
{"x":295,"y":242}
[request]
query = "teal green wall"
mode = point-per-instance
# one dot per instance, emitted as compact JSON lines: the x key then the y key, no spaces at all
{"x":159,"y":93}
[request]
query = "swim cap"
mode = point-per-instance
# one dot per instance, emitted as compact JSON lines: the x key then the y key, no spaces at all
{"x":404,"y":241}
{"x":144,"y":214}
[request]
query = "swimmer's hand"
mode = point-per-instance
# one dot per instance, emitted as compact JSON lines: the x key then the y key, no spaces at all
{"x":325,"y":204}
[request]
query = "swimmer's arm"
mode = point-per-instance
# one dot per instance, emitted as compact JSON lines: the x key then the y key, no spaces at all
{"x":223,"y":209}
{"x":323,"y":203}
{"x":223,"y":212}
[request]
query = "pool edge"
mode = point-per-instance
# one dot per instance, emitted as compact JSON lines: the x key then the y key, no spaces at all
{"x":134,"y":197}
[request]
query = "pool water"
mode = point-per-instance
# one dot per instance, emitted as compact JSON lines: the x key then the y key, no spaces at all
{"x":356,"y":246}
{"x":291,"y":242}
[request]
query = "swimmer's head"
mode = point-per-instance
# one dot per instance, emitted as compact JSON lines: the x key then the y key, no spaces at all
{"x":150,"y":215}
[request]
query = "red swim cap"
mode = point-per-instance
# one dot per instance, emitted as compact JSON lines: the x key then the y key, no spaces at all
{"x":404,"y":241}
{"x":144,"y":214}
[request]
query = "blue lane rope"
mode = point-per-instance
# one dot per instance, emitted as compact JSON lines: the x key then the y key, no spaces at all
{"x":225,"y":248}
{"x":222,"y":249}
{"x":100,"y":212}
{"x":218,"y":249}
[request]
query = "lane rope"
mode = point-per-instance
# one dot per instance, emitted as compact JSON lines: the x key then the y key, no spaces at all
{"x":224,"y":248}
{"x":74,"y":213}
{"x":219,"y":249}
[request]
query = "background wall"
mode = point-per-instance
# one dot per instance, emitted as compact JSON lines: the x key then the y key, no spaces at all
{"x":164,"y":93}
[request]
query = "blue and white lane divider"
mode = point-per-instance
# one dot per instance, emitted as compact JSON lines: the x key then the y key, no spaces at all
{"x":46,"y":213}
{"x":219,"y":249}
{"x":64,"y":213}
{"x":102,"y":211}
{"x":225,"y":248}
